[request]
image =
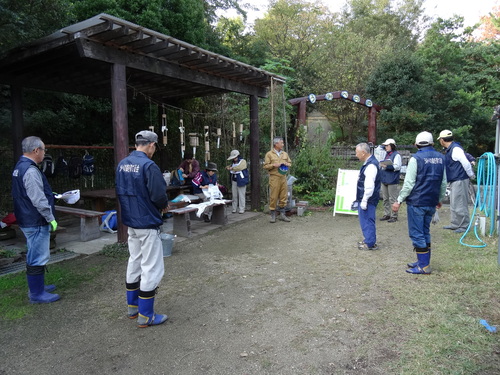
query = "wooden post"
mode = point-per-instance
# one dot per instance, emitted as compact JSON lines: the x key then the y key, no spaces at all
{"x":372,"y":125}
{"x":254,"y":153}
{"x":16,"y":97}
{"x":120,"y":128}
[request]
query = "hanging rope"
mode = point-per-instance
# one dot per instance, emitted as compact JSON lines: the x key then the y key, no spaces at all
{"x":272,"y":112}
{"x":284,"y":116}
{"x":485,"y":197}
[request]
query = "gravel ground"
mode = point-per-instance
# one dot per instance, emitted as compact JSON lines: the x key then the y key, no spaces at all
{"x":250,"y":298}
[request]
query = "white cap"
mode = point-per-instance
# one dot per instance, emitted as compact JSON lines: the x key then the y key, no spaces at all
{"x":424,"y":139}
{"x":389,"y":141}
{"x":444,"y":134}
{"x":233,"y":155}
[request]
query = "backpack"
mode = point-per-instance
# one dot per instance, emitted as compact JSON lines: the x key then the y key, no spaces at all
{"x":88,"y":165}
{"x":48,"y":166}
{"x":61,"y":166}
{"x":174,"y":178}
{"x":75,"y":167}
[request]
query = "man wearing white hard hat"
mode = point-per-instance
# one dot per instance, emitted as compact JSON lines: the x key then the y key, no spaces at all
{"x":389,"y":179}
{"x":458,"y":171}
{"x":239,"y":180}
{"x":423,"y":190}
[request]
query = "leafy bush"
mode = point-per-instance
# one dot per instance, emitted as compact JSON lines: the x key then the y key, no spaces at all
{"x":316,"y":169}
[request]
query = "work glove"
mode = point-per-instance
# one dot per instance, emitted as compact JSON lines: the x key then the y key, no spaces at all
{"x":435,"y":218}
{"x":364,"y":205}
{"x":54,"y":225}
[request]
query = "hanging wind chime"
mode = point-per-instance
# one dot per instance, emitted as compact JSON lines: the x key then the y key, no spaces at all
{"x":207,"y":145}
{"x":182,"y":135}
{"x":164,"y":128}
{"x":219,"y":133}
{"x":241,"y":132}
{"x":194,"y":142}
{"x":234,"y":135}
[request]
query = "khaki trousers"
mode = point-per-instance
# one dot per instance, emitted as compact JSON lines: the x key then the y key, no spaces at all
{"x":277,"y":191}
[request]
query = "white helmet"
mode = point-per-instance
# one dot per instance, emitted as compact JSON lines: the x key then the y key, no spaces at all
{"x":424,"y":139}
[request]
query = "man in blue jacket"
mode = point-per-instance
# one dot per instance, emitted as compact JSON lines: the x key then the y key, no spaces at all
{"x":458,"y":171}
{"x":423,"y":190}
{"x":142,"y":193}
{"x":34,"y":210}
{"x":389,"y":177}
{"x":367,"y":196}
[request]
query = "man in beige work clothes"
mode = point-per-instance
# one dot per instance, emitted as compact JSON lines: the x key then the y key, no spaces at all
{"x":277,"y":163}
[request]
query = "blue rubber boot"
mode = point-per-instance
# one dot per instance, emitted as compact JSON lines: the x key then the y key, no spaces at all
{"x":415,"y":264}
{"x":36,"y":284}
{"x":48,"y":288}
{"x":147,"y":316}
{"x":423,"y":267}
{"x":133,"y":299}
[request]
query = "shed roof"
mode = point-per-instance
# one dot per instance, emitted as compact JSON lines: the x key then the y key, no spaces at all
{"x":78,"y":59}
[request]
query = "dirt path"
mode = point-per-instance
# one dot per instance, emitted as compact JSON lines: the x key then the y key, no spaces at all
{"x":253,"y":298}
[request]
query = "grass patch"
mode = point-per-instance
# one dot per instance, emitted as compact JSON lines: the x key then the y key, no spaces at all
{"x":66,"y":276}
{"x":441,"y":312}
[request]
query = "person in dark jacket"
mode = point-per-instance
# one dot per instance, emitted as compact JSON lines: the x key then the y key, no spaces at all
{"x":367,"y":196}
{"x":423,"y":190}
{"x":389,"y":177}
{"x":201,"y":182}
{"x":142,"y":193}
{"x":34,"y":211}
{"x":459,"y":172}
{"x":189,"y":168}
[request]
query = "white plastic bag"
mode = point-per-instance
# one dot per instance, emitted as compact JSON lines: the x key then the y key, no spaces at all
{"x":212,"y":192}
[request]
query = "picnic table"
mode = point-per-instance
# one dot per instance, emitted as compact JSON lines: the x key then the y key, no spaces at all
{"x":99,"y":197}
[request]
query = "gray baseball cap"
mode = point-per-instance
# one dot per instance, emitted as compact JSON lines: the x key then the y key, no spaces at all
{"x":146,"y":135}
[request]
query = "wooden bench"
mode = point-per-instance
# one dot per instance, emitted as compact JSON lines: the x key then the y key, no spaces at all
{"x":89,"y":221}
{"x":182,"y":217}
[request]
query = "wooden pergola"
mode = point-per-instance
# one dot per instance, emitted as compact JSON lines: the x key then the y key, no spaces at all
{"x":105,"y":56}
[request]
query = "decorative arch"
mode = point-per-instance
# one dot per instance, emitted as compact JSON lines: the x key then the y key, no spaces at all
{"x":373,"y":109}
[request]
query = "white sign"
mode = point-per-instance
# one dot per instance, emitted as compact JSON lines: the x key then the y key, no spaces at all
{"x":345,"y":194}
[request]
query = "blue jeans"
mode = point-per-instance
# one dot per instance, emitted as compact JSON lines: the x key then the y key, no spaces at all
{"x":367,"y":223}
{"x":38,"y":243}
{"x":419,"y":224}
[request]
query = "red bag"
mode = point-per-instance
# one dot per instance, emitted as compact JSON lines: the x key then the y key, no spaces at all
{"x":10,"y":219}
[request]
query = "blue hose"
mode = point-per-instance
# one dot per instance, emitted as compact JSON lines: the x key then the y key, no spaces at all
{"x":485,"y":198}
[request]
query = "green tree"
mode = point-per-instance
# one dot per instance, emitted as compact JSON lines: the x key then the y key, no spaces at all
{"x":398,"y":84}
{"x":365,"y":33}
{"x":182,"y":19}
{"x":293,"y":30}
{"x":450,"y":82}
{"x":24,"y":20}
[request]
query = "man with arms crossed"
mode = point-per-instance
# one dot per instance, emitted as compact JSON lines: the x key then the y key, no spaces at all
{"x":142,"y":193}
